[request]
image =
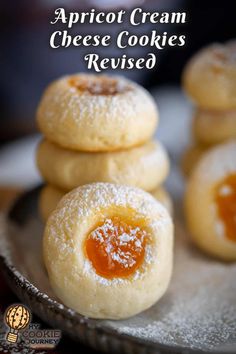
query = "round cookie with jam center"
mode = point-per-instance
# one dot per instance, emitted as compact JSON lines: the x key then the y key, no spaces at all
{"x":210,"y":77}
{"x":96,"y":113}
{"x":145,"y":166}
{"x":104,"y":245}
{"x":210,"y":202}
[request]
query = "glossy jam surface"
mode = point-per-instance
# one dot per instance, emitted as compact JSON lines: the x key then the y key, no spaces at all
{"x":225,"y":199}
{"x":116,"y":248}
{"x":99,"y":85}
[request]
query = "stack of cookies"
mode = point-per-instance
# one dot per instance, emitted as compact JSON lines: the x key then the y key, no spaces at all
{"x":210,"y":80}
{"x":98,"y":129}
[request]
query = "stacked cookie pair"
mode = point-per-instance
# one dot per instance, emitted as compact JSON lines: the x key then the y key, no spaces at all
{"x":210,"y":80}
{"x":98,"y":129}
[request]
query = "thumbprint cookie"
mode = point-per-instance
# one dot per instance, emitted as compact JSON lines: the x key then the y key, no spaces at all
{"x":210,"y":77}
{"x":96,"y":113}
{"x":108,"y":250}
{"x":210,"y":202}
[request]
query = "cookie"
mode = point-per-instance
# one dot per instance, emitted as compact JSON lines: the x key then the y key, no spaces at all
{"x":96,"y":113}
{"x":104,"y":246}
{"x":210,"y":77}
{"x":161,"y":194}
{"x":190,"y":157}
{"x":214,"y":127}
{"x":50,"y":196}
{"x":210,"y":202}
{"x":145,"y":166}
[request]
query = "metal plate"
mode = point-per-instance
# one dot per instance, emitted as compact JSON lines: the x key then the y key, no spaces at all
{"x":196,"y":315}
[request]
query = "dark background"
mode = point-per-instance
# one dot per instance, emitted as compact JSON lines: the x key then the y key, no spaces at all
{"x":28,"y":63}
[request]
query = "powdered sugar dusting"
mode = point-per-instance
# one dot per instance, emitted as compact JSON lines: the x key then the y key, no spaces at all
{"x":216,"y":57}
{"x":88,"y":269}
{"x":138,"y":274}
{"x":199,"y":309}
{"x":109,"y":234}
{"x":70,"y":102}
{"x":98,"y":84}
{"x":88,"y":201}
{"x":209,"y":170}
{"x":97,"y":197}
{"x":225,"y":190}
{"x":222,"y":55}
{"x":119,"y":248}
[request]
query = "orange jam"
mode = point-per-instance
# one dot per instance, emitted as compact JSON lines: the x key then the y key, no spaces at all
{"x":99,"y":85}
{"x":116,"y":248}
{"x":225,"y":199}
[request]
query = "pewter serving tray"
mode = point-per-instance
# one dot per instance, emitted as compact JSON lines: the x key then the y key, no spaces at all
{"x":196,"y":315}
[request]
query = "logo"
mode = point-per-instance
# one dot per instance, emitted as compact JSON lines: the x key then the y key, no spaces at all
{"x":17,"y":317}
{"x":21,"y":331}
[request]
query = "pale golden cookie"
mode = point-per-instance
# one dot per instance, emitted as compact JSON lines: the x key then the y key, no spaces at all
{"x":145,"y":166}
{"x":97,"y":113}
{"x":161,"y":194}
{"x":213,"y":127}
{"x":210,"y":202}
{"x":50,"y":197}
{"x":190,"y":158}
{"x":104,"y":246}
{"x":210,"y":77}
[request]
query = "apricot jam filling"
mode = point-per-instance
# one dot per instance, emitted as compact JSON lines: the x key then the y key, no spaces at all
{"x":116,"y":248}
{"x":100,"y":85}
{"x":225,"y":199}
